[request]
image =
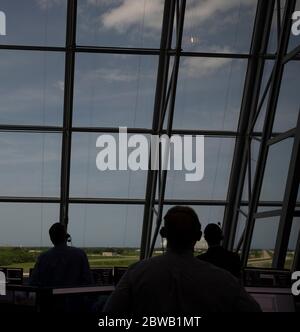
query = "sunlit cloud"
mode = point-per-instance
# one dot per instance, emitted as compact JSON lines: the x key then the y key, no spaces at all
{"x":109,"y":74}
{"x":131,"y":12}
{"x":199,"y":12}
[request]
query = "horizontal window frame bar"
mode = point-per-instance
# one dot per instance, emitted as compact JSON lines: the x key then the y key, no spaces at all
{"x":30,"y":128}
{"x":89,"y":200}
{"x":108,"y":201}
{"x":118,"y":50}
{"x":281,"y":137}
{"x":141,"y":201}
{"x":194,"y":202}
{"x":75,"y":129}
{"x":121,"y":50}
{"x":291,"y":55}
{"x":142,"y":51}
{"x":266,"y":203}
{"x":19,"y":199}
{"x":268,"y":214}
{"x":61,"y":49}
{"x":59,"y":129}
{"x":132,"y":51}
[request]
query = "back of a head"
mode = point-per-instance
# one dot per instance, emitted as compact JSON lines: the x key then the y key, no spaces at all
{"x":182,"y":228}
{"x":58,"y":234}
{"x":213,"y":234}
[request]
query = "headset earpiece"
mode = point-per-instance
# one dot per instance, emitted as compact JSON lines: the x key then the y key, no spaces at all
{"x":68,"y":237}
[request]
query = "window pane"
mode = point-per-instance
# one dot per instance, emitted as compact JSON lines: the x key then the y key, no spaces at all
{"x":26,"y":225}
{"x":263,"y":242}
{"x":35,"y":22}
{"x":88,"y":181}
{"x":289,"y":98}
{"x":215,"y":104}
{"x":240,"y":229}
{"x":106,"y":226}
{"x":273,"y":40}
{"x":255,"y":146}
{"x":276,"y":172}
{"x":218,"y":153}
{"x":114,"y":90}
{"x":288,"y":103}
{"x":294,"y":40}
{"x":268,"y":68}
{"x":295,"y":233}
{"x":219,"y":26}
{"x":122,"y":23}
{"x":32,"y":89}
{"x":30,"y":164}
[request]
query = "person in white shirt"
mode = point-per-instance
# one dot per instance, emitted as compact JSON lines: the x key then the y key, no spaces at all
{"x":178,"y":283}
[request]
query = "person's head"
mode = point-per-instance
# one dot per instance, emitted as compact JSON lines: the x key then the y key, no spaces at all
{"x":58,"y":234}
{"x":182,"y":228}
{"x":213,"y":234}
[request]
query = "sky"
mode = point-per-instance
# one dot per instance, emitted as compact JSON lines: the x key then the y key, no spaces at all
{"x":119,"y":90}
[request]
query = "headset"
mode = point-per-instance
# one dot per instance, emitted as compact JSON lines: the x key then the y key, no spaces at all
{"x":69,"y":239}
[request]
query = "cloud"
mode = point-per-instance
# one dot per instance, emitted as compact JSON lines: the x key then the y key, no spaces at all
{"x":199,"y":12}
{"x":195,"y":67}
{"x":131,"y":12}
{"x":110,"y":75}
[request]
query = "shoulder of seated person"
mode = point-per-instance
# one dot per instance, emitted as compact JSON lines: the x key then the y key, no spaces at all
{"x":146,"y":262}
{"x":77,"y":250}
{"x":201,"y":255}
{"x":216,"y":271}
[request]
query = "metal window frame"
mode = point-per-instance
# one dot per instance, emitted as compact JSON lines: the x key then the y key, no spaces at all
{"x":157,"y":124}
{"x":272,"y":90}
{"x":260,"y":39}
{"x":268,"y":126}
{"x":68,"y":110}
{"x":165,"y":97}
{"x":289,"y":203}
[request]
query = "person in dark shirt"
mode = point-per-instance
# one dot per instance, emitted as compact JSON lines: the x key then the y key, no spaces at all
{"x":177,"y":283}
{"x":61,"y":266}
{"x":216,"y":254}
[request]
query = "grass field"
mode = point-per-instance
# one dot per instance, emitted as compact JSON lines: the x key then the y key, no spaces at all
{"x":122,"y":261}
{"x":120,"y":257}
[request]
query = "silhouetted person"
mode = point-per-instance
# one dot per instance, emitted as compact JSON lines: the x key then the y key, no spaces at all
{"x":61,"y":266}
{"x":178,"y":283}
{"x":216,"y":254}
